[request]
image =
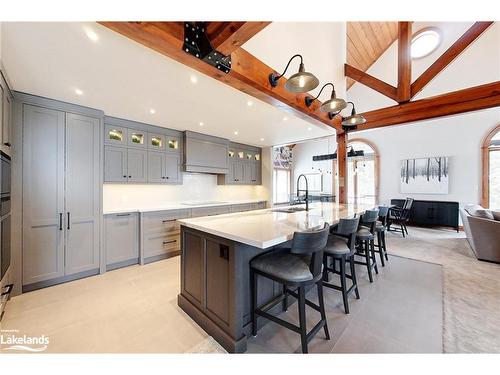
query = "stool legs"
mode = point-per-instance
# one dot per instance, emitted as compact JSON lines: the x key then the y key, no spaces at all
{"x":380,"y":246}
{"x":253,"y":285}
{"x":285,"y":299}
{"x":302,"y":319}
{"x":353,"y":276}
{"x":364,"y":245}
{"x":343,"y":284}
{"x":372,"y":253}
{"x":385,"y":246}
{"x":321,"y":301}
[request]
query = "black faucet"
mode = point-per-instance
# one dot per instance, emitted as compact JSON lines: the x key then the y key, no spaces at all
{"x":306,"y":191}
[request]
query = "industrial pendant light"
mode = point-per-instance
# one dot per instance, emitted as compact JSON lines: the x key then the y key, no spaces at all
{"x":299,"y":82}
{"x":334,"y":105}
{"x":352,"y":121}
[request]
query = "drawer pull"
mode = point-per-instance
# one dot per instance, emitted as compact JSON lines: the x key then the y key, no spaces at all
{"x":167,"y":242}
{"x":224,"y":251}
{"x":9,"y":290}
{"x":122,"y":214}
{"x":168,"y":221}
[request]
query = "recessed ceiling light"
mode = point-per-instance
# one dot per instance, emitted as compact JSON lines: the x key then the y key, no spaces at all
{"x":236,"y":132}
{"x":78,"y":92}
{"x":193,"y":79}
{"x":152,"y":111}
{"x":249,"y":103}
{"x":91,"y":34}
{"x":262,"y":139}
{"x":425,"y":42}
{"x":201,"y":124}
{"x":309,"y":128}
{"x":285,"y":118}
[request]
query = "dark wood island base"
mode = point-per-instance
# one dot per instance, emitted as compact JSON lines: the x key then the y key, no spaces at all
{"x":215,"y":286}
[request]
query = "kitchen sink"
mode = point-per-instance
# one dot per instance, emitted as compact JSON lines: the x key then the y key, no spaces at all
{"x":289,"y":210}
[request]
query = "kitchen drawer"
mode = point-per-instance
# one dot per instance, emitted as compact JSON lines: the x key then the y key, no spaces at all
{"x":163,"y":221}
{"x":159,"y":244}
{"x":259,"y":205}
{"x":210,"y":211}
{"x":242,"y":207}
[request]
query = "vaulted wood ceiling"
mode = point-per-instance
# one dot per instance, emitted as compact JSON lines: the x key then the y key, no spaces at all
{"x":367,"y":41}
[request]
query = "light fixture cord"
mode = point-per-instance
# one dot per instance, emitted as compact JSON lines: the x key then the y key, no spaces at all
{"x":287,"y":65}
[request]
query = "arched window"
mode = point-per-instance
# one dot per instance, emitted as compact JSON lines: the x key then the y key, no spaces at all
{"x":491,"y":170}
{"x":362,"y":172}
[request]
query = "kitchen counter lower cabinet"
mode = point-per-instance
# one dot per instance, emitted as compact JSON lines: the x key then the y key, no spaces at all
{"x":121,"y":240}
{"x":215,"y":287}
{"x":160,"y":234}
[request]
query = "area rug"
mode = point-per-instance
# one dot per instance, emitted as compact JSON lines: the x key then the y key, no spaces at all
{"x":471,"y":288}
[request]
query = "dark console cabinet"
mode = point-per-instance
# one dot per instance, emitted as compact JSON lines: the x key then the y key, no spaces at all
{"x":432,"y":213}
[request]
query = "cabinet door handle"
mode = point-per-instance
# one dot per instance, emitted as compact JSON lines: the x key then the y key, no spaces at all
{"x":224,"y":251}
{"x":167,"y":242}
{"x":129,"y":176}
{"x":124,"y":176}
{"x":69,"y":226}
{"x":60,"y":220}
{"x":7,"y":144}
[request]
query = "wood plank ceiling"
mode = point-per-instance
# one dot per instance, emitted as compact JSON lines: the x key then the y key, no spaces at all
{"x":367,"y":41}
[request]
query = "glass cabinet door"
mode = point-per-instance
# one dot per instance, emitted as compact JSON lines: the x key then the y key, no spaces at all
{"x":156,"y":142}
{"x":115,"y":135}
{"x":136,"y":138}
{"x":173,"y":144}
{"x":257,"y":157}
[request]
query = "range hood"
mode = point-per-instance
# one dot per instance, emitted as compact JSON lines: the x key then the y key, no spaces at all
{"x":205,"y":153}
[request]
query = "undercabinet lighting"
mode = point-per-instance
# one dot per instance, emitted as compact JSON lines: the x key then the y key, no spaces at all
{"x":236,"y":132}
{"x":201,"y":124}
{"x":152,"y":111}
{"x":249,"y":103}
{"x":91,"y":34}
{"x":193,"y":79}
{"x":78,"y":92}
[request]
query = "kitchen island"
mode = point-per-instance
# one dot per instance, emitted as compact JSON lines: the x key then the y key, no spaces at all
{"x":215,"y":255}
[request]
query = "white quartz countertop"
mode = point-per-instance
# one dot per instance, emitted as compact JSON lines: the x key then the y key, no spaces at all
{"x":179,"y":206}
{"x":265,"y":228}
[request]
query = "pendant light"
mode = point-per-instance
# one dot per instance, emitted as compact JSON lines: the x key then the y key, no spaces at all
{"x":299,"y":82}
{"x":352,"y":121}
{"x":333,"y":105}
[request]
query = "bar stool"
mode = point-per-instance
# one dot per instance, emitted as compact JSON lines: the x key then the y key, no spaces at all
{"x":341,"y":246}
{"x":298,"y":267}
{"x":365,"y":241}
{"x":380,"y":229}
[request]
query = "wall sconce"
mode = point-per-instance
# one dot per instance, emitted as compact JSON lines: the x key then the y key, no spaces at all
{"x":300,"y":82}
{"x":351,"y":122}
{"x":333,"y":106}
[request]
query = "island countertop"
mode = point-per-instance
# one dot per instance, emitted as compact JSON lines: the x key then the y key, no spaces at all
{"x":266,"y":228}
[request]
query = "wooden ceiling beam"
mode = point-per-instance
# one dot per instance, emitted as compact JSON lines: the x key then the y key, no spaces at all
{"x":230,"y":36}
{"x":248,"y":74}
{"x":371,"y":82}
{"x":474,"y":32}
{"x":404,"y":61}
{"x":456,"y":102}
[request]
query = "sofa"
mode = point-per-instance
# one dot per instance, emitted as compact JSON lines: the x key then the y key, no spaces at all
{"x":482,"y":227}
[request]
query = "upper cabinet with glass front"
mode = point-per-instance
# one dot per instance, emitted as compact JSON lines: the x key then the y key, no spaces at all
{"x":137,"y":138}
{"x":115,"y":135}
{"x":156,"y":142}
{"x":173,"y":144}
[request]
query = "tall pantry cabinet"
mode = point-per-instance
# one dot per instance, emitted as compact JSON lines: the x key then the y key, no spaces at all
{"x":61,"y":195}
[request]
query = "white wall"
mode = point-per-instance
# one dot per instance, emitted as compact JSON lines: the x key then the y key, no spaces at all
{"x":196,"y":187}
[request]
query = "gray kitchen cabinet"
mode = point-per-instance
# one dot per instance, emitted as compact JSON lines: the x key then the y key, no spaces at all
{"x":244,"y":166}
{"x":43,"y":194}
{"x":173,"y":173}
{"x":7,"y":119}
{"x":82,"y":195}
{"x":115,"y":164}
{"x":242,"y":207}
{"x":137,"y":138}
{"x":160,"y":233}
{"x":137,"y":165}
{"x":61,"y":192}
{"x":156,"y":142}
{"x":156,"y":166}
{"x":121,"y":239}
{"x":115,"y":135}
{"x":210,"y":211}
{"x":205,"y":154}
{"x":173,"y":144}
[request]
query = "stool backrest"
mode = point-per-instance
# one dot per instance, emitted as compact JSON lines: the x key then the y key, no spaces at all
{"x":347,"y":228}
{"x":369,"y":219}
{"x":406,"y":208}
{"x":383,"y":212}
{"x":311,"y":243}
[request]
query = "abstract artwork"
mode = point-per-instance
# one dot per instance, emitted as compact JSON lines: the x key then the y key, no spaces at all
{"x":425,"y":176}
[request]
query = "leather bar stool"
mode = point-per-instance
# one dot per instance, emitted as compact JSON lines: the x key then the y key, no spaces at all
{"x":365,"y":241}
{"x":380,"y":229}
{"x":341,"y":247}
{"x":298,"y":267}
